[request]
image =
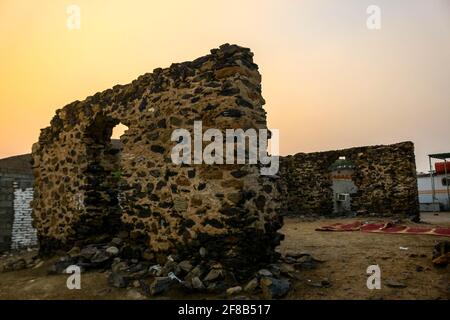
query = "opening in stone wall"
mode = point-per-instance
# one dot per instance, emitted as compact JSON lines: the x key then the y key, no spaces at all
{"x":103,"y":175}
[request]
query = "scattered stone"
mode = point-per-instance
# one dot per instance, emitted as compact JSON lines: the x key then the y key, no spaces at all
{"x":441,"y":253}
{"x":197,"y":283}
{"x":395,"y":284}
{"x":214,"y":274}
{"x":274,"y":288}
{"x":275,"y":270}
{"x":306,"y":262}
{"x":169,"y":267}
{"x":100,"y":257}
{"x":442,"y":261}
{"x":117,"y":280}
{"x":118,"y":265}
{"x":38,"y":265}
{"x":296,"y":255}
{"x":145,"y":287}
{"x":60,"y":267}
{"x":325,"y":283}
{"x":19,"y":265}
{"x":88,"y":252}
{"x":287,"y":270}
{"x":74,"y":252}
{"x":202,"y":252}
{"x":135,"y":295}
{"x":198,"y":271}
{"x":160,"y":285}
{"x":251,"y":285}
{"x":137,"y":271}
{"x":155,"y":269}
{"x":217,"y":287}
{"x":241,"y":298}
{"x":112,"y":251}
{"x":116,"y":242}
{"x":264,"y":273}
{"x":290,"y":260}
{"x":234,"y":290}
{"x":185,"y":266}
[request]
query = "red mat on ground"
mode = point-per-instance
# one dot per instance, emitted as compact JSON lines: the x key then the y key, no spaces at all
{"x":388,"y":227}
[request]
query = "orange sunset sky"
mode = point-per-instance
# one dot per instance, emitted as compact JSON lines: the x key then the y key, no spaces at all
{"x":329,"y":82}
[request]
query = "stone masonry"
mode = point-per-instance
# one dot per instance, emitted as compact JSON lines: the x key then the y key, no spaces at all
{"x":384,"y":175}
{"x":88,"y":190}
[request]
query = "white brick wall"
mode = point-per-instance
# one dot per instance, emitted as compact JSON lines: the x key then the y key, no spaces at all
{"x":23,"y":233}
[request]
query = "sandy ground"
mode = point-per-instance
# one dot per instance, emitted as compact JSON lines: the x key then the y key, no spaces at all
{"x":345,"y":256}
{"x":348,"y":254}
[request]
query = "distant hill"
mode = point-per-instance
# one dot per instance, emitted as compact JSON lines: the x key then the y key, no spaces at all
{"x":21,"y":163}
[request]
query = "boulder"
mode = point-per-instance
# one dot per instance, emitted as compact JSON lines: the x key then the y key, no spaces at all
{"x":112,"y":251}
{"x":274,"y":288}
{"x":185,"y":266}
{"x":234,"y":290}
{"x":197,"y":283}
{"x":118,"y":280}
{"x":160,"y":285}
{"x":251,"y":285}
{"x":213,"y":275}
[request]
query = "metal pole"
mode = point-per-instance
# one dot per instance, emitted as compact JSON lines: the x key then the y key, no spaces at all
{"x":447,"y":183}
{"x":431,"y":180}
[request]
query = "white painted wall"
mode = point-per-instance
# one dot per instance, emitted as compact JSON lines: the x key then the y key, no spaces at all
{"x":425,"y":190}
{"x":23,"y":233}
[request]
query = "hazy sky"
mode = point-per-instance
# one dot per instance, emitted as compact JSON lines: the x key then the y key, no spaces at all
{"x":329,"y":82}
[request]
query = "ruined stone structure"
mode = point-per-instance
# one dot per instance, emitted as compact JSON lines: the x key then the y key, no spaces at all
{"x":384,"y":176}
{"x":87,"y":190}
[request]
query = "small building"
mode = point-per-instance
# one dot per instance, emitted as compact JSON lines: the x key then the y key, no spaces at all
{"x":16,"y":193}
{"x":342,"y":184}
{"x":434,"y":187}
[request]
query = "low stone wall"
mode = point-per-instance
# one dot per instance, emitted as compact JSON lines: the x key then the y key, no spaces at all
{"x":385,"y":177}
{"x":88,"y":191}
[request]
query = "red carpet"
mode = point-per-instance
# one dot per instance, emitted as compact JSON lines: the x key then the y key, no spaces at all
{"x":388,"y":227}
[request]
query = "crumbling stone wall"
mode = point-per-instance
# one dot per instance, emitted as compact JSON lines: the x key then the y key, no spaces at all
{"x":385,"y":177}
{"x":87,"y":190}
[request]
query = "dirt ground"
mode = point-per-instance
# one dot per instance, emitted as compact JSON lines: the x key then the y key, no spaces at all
{"x":345,"y":256}
{"x":348,"y":254}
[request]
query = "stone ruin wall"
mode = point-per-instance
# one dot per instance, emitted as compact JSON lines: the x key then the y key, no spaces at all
{"x":87,"y":190}
{"x":385,"y":176}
